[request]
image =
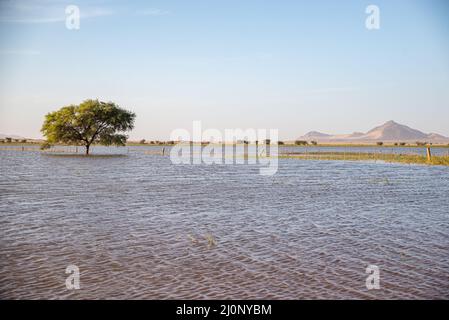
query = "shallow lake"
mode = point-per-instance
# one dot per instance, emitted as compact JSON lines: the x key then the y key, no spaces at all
{"x":138,"y":226}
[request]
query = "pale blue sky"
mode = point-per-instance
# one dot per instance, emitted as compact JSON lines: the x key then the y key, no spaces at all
{"x":292,"y":65}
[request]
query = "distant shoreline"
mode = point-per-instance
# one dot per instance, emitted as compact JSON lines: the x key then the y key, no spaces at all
{"x":286,"y":144}
{"x":300,"y":152}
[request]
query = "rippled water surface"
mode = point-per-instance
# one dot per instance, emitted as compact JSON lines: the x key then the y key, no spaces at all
{"x":139,"y":227}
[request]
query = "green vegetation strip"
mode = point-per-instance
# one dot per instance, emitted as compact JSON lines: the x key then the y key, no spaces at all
{"x":386,"y":157}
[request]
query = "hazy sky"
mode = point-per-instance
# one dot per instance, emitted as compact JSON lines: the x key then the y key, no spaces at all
{"x":292,"y":65}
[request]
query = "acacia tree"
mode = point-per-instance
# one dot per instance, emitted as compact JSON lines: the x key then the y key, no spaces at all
{"x":91,"y":122}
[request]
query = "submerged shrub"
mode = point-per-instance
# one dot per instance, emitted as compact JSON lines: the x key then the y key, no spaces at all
{"x":45,"y":145}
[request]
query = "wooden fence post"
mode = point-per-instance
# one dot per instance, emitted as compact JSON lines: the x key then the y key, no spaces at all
{"x":245,"y":151}
{"x":267,"y":148}
{"x":257,"y":150}
{"x":223,"y":151}
{"x":429,"y":154}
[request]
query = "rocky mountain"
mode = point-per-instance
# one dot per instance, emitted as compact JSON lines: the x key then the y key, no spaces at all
{"x":395,"y":131}
{"x":315,"y":134}
{"x":389,"y":131}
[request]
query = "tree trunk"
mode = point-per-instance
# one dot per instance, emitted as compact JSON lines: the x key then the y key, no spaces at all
{"x":87,"y":149}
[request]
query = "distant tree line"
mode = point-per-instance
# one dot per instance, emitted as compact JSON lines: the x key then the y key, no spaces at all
{"x":305,"y":143}
{"x":158,"y":142}
{"x":10,"y":140}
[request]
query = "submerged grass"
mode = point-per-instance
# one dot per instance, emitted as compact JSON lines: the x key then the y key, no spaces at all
{"x":355,"y":156}
{"x":211,"y":242}
{"x":90,"y":156}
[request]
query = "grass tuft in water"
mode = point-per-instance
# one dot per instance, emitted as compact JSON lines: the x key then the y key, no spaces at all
{"x":211,"y":242}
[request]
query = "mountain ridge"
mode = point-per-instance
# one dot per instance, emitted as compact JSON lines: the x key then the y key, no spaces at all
{"x":389,"y":131}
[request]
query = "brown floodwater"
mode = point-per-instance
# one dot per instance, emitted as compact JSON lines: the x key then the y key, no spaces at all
{"x":139,"y":227}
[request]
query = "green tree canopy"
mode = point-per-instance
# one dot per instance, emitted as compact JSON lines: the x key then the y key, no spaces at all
{"x":91,"y":122}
